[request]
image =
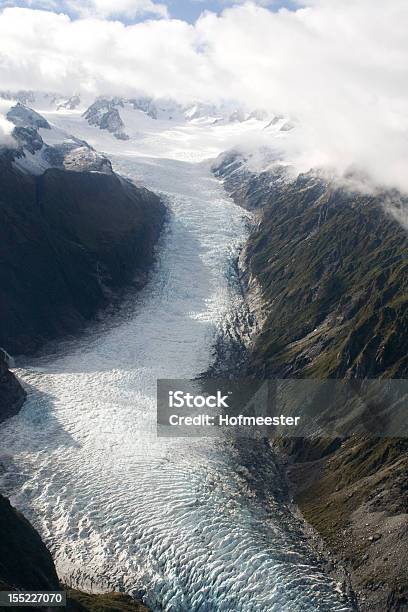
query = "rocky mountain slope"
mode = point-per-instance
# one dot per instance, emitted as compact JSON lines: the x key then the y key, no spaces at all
{"x":12,"y":395}
{"x":32,"y":155}
{"x":26,"y":564}
{"x":105,"y":114}
{"x":331,"y":271}
{"x":72,"y":233}
{"x":42,"y":100}
{"x":119,"y":116}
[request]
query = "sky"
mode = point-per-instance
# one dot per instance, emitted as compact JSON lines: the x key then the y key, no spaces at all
{"x":190,"y":10}
{"x":131,"y":11}
{"x":339,"y":68}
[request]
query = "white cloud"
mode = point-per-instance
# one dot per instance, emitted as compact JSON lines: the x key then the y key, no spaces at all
{"x":6,"y":127}
{"x":5,"y":131}
{"x":103,"y":9}
{"x":339,"y":67}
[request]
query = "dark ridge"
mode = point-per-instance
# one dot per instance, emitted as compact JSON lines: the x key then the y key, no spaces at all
{"x":12,"y":394}
{"x":68,"y":242}
{"x":25,"y":562}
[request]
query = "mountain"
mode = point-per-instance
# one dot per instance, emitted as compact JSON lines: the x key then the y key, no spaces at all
{"x":33,"y":156}
{"x":12,"y":395}
{"x":124,"y":116}
{"x":19,"y":543}
{"x":72,"y":234}
{"x":157,"y":108}
{"x":117,"y":115}
{"x":332,"y":266}
{"x":43,"y":101}
{"x":108,"y":113}
{"x":327,"y":268}
{"x":25,"y":117}
{"x":105,"y":114}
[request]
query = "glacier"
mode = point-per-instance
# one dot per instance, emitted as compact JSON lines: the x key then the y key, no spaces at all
{"x":175,"y":520}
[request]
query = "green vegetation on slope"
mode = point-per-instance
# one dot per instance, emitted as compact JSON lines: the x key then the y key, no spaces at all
{"x":332,"y":268}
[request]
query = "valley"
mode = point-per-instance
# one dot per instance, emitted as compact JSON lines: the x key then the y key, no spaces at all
{"x":253,"y":275}
{"x":187,"y":524}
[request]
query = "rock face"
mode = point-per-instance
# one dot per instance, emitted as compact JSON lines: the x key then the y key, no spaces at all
{"x":33,"y":156}
{"x":356,"y":498}
{"x":105,"y":114}
{"x":70,"y":104}
{"x":12,"y":395}
{"x":146,"y":105}
{"x":21,"y":115}
{"x":68,"y":240}
{"x":25,"y":562}
{"x":250,"y":190}
{"x":332,"y":271}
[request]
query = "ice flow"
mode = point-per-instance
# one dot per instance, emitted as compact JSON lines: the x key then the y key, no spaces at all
{"x":174,"y":519}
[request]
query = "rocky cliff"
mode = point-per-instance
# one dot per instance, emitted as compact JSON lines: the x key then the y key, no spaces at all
{"x":12,"y":395}
{"x":68,"y":241}
{"x":331,"y":267}
{"x":104,"y":113}
{"x":25,"y":562}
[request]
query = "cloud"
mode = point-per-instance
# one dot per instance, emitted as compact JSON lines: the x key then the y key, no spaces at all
{"x":338,"y":68}
{"x":5,"y":132}
{"x":101,"y":9}
{"x":6,"y":127}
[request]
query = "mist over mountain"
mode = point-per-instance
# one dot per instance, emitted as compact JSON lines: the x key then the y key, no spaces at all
{"x":339,"y":70}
